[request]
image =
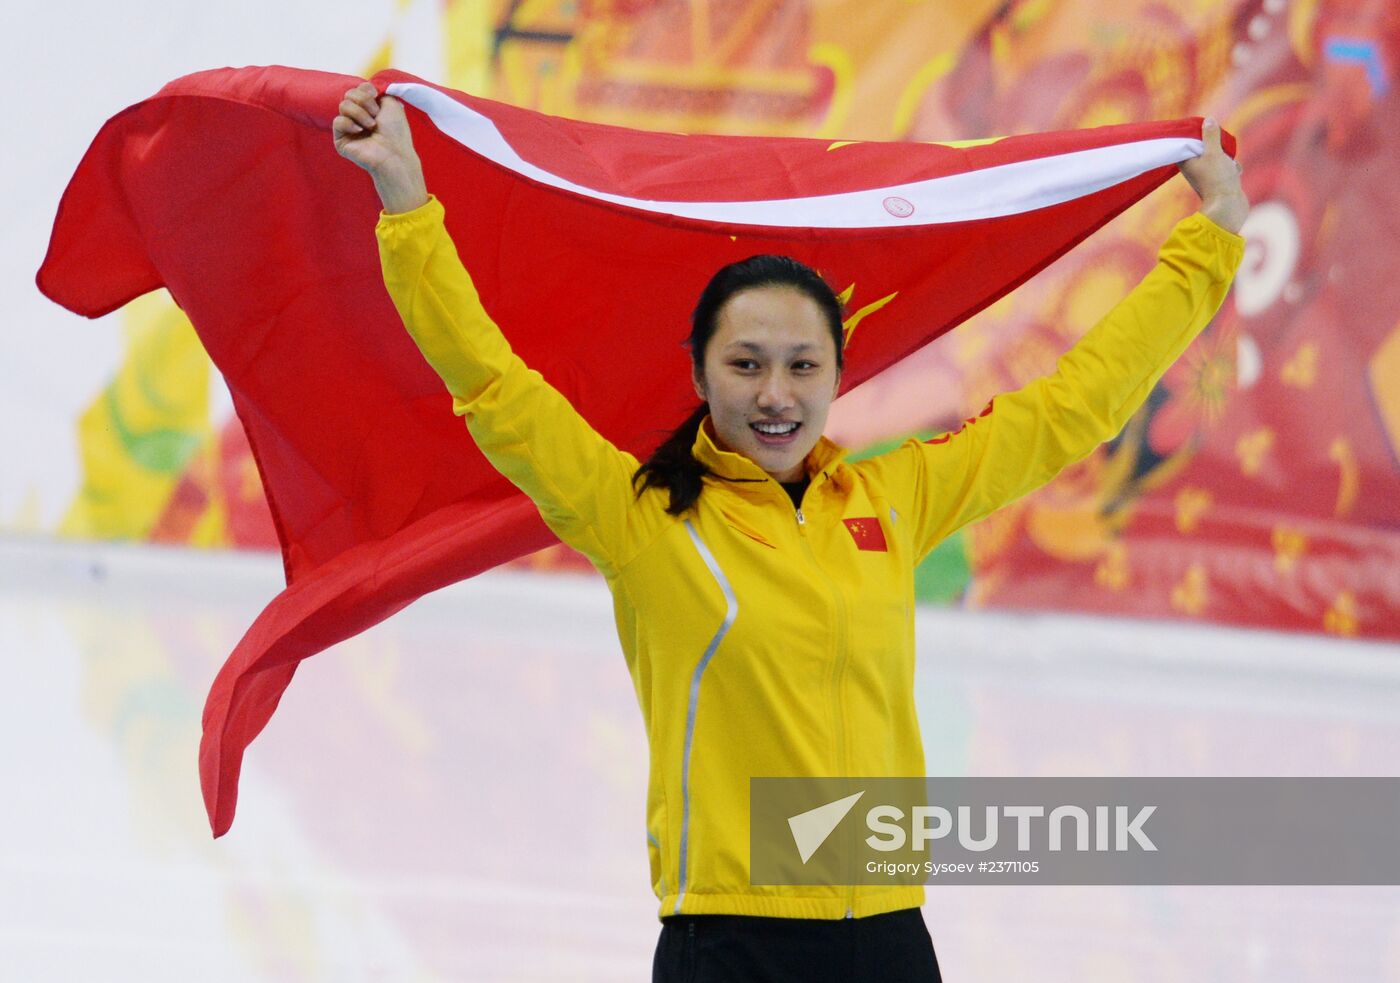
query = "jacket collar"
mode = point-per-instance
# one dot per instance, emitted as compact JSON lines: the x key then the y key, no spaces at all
{"x":823,"y":459}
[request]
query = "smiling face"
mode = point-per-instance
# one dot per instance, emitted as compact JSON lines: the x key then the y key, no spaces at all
{"x":770,"y":375}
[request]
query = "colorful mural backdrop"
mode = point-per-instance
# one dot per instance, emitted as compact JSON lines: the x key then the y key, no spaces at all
{"x":1260,"y":485}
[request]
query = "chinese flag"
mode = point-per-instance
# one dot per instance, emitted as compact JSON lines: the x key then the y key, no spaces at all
{"x":589,"y":245}
{"x":867,"y":533}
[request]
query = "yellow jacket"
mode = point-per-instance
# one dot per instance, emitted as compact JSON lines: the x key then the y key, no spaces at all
{"x":764,"y":640}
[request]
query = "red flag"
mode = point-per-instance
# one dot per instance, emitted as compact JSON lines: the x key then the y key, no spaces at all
{"x":867,"y":533}
{"x":589,"y":245}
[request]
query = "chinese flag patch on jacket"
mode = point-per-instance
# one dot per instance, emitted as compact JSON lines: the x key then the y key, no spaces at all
{"x":867,"y":534}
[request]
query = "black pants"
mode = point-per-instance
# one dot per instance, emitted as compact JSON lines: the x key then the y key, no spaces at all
{"x":892,"y":948}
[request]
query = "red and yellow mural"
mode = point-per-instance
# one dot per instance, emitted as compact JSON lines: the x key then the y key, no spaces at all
{"x":1261,"y":484}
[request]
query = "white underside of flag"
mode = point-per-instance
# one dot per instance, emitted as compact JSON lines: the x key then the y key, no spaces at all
{"x":992,"y":192}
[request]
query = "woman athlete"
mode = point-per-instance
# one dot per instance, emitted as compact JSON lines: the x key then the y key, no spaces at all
{"x":762,"y":585}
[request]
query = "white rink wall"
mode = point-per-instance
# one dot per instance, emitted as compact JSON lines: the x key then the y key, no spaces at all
{"x":458,"y":793}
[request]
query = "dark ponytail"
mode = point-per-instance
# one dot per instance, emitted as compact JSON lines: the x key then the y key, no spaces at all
{"x":672,"y":465}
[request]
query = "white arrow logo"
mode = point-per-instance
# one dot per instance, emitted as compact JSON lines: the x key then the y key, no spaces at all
{"x":810,"y":829}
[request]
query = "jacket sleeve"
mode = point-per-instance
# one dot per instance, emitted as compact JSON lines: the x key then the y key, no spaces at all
{"x":529,"y":432}
{"x":1021,"y":440}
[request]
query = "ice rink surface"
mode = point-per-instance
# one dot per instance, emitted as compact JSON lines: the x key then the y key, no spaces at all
{"x":458,"y":793}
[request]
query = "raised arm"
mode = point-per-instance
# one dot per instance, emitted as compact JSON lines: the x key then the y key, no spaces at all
{"x":529,"y":432}
{"x":1022,"y":439}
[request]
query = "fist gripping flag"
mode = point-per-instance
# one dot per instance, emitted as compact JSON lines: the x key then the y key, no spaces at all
{"x":589,"y":246}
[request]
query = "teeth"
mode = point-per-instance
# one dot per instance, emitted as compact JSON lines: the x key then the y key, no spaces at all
{"x":775,"y":428}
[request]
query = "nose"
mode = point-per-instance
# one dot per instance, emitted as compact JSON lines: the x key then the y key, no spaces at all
{"x":775,"y":395}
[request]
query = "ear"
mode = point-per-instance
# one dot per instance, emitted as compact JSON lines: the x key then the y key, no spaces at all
{"x":698,"y":381}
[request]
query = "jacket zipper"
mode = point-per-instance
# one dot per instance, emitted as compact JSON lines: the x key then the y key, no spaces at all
{"x":840,"y":673}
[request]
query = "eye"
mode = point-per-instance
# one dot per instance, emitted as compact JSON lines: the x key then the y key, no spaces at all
{"x":744,"y":364}
{"x":804,"y":365}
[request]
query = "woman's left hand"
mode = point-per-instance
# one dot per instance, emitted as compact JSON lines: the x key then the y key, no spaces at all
{"x":1215,"y":176}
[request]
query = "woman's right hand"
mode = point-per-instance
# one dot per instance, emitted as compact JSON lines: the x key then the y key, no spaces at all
{"x":373,"y":132}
